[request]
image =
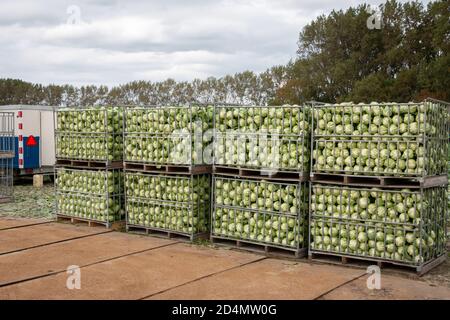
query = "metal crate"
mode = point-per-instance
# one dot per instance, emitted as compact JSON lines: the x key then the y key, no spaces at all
{"x":403,"y":139}
{"x":167,"y":135}
{"x":94,"y":134}
{"x":399,"y":226}
{"x":264,"y":219}
{"x":176,"y":204}
{"x":96,"y":195}
{"x":268,"y":138}
{"x":7,"y":152}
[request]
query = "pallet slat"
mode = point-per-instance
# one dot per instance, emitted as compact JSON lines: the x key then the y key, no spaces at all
{"x":116,"y":225}
{"x":380,"y":181}
{"x":164,"y":233}
{"x":175,"y":169}
{"x":89,"y":164}
{"x":262,"y":248}
{"x":238,"y":172}
{"x":343,"y":259}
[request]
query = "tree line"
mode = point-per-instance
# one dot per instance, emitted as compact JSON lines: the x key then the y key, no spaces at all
{"x":338,"y":59}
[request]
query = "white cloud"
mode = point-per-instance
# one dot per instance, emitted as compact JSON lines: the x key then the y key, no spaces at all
{"x":120,"y":41}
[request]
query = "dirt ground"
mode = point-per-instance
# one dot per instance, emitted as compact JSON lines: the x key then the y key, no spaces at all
{"x":30,"y":202}
{"x":36,"y":253}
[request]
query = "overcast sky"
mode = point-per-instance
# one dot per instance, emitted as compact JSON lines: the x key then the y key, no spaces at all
{"x":113,"y":42}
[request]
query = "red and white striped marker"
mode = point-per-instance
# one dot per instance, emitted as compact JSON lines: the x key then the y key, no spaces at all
{"x":20,"y":133}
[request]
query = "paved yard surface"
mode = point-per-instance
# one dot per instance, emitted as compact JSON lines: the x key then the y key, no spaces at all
{"x":35,"y":254}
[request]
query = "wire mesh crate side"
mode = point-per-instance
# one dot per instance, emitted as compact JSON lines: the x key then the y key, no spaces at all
{"x":425,"y":123}
{"x":373,"y":205}
{"x":167,"y":135}
{"x":244,"y":217}
{"x":93,"y":182}
{"x":396,"y":225}
{"x":89,"y":146}
{"x":385,"y":242}
{"x":176,"y":203}
{"x":379,"y":157}
{"x":7,"y":140}
{"x":89,"y":134}
{"x":293,"y":120}
{"x":6,"y":178}
{"x":262,"y":151}
{"x":102,"y":208}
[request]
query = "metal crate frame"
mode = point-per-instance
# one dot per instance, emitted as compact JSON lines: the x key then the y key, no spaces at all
{"x":189,"y":205}
{"x":105,"y":196}
{"x":171,"y":138}
{"x":300,"y":140}
{"x":7,"y":153}
{"x":76,"y":138}
{"x":302,"y":229}
{"x":432,"y":225}
{"x":430,"y":143}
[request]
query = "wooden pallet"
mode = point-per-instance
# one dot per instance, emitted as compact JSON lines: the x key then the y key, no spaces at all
{"x":261,"y":248}
{"x":239,"y":172}
{"x":380,"y":181}
{"x":89,"y":164}
{"x":116,"y":225}
{"x":165,"y":233}
{"x":364,"y":262}
{"x":7,"y":154}
{"x":169,"y":169}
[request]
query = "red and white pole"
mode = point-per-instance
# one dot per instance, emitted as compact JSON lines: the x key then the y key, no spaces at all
{"x":20,"y":134}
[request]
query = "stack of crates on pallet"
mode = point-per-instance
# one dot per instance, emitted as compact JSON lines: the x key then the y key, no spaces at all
{"x":260,"y":188}
{"x":167,"y":174}
{"x":379,"y":181}
{"x":7,"y":151}
{"x":89,"y":177}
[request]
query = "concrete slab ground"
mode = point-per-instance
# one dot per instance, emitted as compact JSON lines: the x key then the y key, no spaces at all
{"x":125,"y":266}
{"x":267,"y":279}
{"x":32,"y":236}
{"x":392,"y":288}
{"x":134,"y":277}
{"x":8,"y":223}
{"x":22,"y":265}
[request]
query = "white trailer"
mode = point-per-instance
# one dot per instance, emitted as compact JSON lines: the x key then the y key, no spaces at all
{"x":34,"y":139}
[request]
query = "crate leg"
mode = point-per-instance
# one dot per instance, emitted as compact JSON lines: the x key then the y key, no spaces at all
{"x":344,"y":260}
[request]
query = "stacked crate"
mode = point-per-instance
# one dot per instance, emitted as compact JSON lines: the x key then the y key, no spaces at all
{"x":261,"y":165}
{"x":7,"y":151}
{"x":167,"y":175}
{"x":379,"y":181}
{"x":89,"y":178}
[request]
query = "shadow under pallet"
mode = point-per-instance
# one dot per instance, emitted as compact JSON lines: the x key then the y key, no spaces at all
{"x":364,"y":262}
{"x":240,"y":172}
{"x":270,"y":250}
{"x":380,"y":181}
{"x":165,"y":233}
